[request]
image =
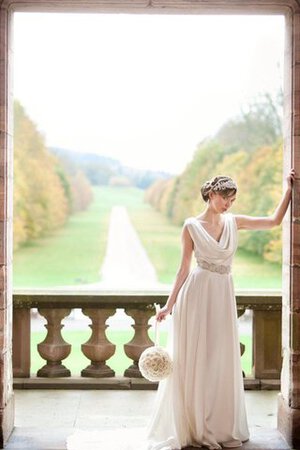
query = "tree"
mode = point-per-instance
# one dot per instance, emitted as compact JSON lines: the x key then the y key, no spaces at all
{"x":259,"y":124}
{"x":41,"y":202}
{"x":248,"y":149}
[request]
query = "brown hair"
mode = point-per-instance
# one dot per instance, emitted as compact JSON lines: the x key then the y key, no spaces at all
{"x":221,"y":183}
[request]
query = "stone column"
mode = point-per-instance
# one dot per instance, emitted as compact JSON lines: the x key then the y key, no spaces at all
{"x":6,"y":104}
{"x":289,"y":398}
{"x":266,"y":343}
{"x":240,"y":311}
{"x":54,"y":348}
{"x":98,"y":348}
{"x":140,"y":340}
{"x":21,"y":342}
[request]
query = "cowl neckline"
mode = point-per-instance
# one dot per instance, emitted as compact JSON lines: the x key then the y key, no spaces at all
{"x":208,"y":234}
{"x":206,"y":247}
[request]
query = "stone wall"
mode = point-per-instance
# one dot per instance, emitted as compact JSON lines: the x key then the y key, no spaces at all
{"x":289,"y":399}
{"x":6,"y":393}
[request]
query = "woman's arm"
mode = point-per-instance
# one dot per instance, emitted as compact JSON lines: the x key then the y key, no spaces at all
{"x":261,"y":223}
{"x":182,"y":273}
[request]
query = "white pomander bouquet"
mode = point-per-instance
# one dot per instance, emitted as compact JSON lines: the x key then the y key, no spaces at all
{"x":155,"y":362}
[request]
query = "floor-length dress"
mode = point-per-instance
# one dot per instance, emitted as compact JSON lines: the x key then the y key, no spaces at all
{"x":202,"y":402}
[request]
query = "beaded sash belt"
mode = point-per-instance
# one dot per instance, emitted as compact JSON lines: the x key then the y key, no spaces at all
{"x":219,"y":268}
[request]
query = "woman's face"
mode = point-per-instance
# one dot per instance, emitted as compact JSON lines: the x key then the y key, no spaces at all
{"x":221,"y":203}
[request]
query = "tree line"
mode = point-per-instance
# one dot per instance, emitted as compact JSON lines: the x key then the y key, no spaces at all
{"x":45,"y":193}
{"x":102,"y":170}
{"x":249,"y":149}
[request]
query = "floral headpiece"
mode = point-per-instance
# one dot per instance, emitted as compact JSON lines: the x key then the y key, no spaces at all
{"x":222,"y":185}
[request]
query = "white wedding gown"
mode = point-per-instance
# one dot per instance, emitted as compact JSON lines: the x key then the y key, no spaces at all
{"x":202,"y":402}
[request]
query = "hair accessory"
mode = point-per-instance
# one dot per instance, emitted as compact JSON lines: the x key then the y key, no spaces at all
{"x":222,"y":185}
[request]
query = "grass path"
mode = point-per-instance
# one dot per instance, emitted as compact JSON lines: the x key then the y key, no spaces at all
{"x":126,"y":264}
{"x":74,"y":254}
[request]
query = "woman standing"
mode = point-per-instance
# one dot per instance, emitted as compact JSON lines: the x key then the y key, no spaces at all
{"x":202,"y":402}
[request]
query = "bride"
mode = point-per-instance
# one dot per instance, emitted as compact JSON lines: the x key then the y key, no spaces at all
{"x":201,"y":404}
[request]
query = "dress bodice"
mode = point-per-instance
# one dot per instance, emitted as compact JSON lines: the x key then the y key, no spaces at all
{"x":208,"y":248}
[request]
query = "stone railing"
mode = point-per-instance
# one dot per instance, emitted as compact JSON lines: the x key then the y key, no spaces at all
{"x":54,"y":306}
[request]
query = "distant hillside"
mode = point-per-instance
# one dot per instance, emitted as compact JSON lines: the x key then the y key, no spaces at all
{"x":103,"y":170}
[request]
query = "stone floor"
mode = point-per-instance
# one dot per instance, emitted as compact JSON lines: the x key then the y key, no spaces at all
{"x":44,"y":418}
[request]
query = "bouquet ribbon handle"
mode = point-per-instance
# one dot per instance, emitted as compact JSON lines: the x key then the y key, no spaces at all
{"x":156,"y":326}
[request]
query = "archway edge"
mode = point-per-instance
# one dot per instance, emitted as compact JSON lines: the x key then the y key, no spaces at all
{"x":156,"y":6}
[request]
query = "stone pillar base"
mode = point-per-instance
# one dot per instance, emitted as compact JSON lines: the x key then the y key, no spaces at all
{"x":288,"y":420}
{"x":95,"y":370}
{"x":7,"y":415}
{"x":133,"y":372}
{"x":53,"y":370}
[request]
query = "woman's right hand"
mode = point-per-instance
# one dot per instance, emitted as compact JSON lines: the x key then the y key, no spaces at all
{"x":162,"y":314}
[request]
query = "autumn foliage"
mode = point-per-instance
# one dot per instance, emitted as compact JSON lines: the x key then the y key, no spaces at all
{"x":44,"y":194}
{"x":249,"y":149}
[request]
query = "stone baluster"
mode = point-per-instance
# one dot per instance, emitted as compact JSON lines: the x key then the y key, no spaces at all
{"x":54,"y":349}
{"x":98,"y":348}
{"x":267,"y":358}
{"x":240,"y":311}
{"x":21,"y":342}
{"x":140,"y":340}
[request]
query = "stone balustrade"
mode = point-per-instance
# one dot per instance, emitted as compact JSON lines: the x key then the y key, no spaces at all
{"x":55,"y":305}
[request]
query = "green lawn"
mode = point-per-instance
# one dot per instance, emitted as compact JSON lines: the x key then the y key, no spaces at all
{"x":74,"y":254}
{"x":119,"y":362}
{"x":253,"y":272}
{"x":161,"y":240}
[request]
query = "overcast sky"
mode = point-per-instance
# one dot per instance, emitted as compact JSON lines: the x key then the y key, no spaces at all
{"x":144,"y":89}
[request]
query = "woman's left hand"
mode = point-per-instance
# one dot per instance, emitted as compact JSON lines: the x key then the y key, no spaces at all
{"x":291,"y":178}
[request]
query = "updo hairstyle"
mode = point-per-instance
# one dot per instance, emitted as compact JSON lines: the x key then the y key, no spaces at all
{"x":223,"y":184}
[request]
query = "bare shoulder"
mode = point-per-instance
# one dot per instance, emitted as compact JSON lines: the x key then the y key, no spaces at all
{"x":188,"y":220}
{"x":244,"y":222}
{"x":185,"y":231}
{"x":187,"y":238}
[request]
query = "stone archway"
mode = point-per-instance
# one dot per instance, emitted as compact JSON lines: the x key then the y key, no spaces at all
{"x":289,"y":398}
